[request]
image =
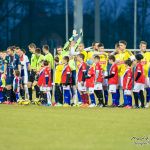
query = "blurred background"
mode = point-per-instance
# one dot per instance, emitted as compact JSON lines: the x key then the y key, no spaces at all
{"x":52,"y":21}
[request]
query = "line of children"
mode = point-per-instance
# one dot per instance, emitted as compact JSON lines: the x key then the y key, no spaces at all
{"x":79,"y":74}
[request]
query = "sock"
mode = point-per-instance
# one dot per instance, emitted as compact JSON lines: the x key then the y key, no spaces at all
{"x":79,"y":96}
{"x":1,"y":97}
{"x":17,"y":96}
{"x":87,"y":98}
{"x":8,"y":94}
{"x":114,"y":99}
{"x":142,"y":98}
{"x":56,"y":95}
{"x":37,"y":89}
{"x":4,"y":94}
{"x":74,"y":95}
{"x":22,"y":93}
{"x":136,"y":96}
{"x":147,"y":94}
{"x":26,"y":91}
{"x":92,"y":97}
{"x":13,"y":96}
{"x":125,"y":103}
{"x":83,"y":98}
{"x":129,"y":99}
{"x":106,"y":96}
{"x":30,"y":93}
{"x":67,"y":97}
{"x":99,"y":95}
{"x":118,"y":95}
{"x":48,"y":97}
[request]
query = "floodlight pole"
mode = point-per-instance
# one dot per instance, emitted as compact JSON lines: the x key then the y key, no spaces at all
{"x":66,"y":20}
{"x":97,"y":20}
{"x":78,"y":15}
{"x":135,"y":23}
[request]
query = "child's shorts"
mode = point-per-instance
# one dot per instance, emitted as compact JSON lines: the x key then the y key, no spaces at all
{"x":81,"y":87}
{"x":90,"y":90}
{"x":127,"y":92}
{"x":45,"y":89}
{"x":112,"y":88}
{"x":138,"y":87}
{"x":66,"y":87}
{"x":98,"y":86}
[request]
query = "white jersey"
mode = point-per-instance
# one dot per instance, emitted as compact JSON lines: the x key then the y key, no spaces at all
{"x":24,"y":68}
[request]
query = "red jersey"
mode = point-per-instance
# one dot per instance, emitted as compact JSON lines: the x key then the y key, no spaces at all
{"x":139,"y":68}
{"x":99,"y":70}
{"x":113,"y":70}
{"x":127,"y":76}
{"x":16,"y":84}
{"x":82,"y":69}
{"x":91,"y":74}
{"x":45,"y":77}
{"x":65,"y":72}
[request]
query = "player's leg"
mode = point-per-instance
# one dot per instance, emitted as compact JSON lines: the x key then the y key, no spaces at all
{"x":1,"y":95}
{"x":79,"y":97}
{"x":113,"y":91}
{"x":92,"y":97}
{"x":147,"y":84}
{"x":9,"y":95}
{"x":142,"y":99}
{"x":48,"y":94}
{"x":25,"y":82}
{"x":105,"y":88}
{"x":67,"y":95}
{"x":99,"y":95}
{"x":128,"y":98}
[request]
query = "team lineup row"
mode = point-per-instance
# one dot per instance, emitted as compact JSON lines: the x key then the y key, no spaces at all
{"x":77,"y":75}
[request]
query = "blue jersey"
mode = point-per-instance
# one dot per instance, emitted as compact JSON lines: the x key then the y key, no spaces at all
{"x":12,"y":64}
{"x":1,"y":65}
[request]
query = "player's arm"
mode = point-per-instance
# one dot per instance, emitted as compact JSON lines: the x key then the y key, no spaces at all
{"x":128,"y":80}
{"x":77,"y":43}
{"x":79,"y":40}
{"x":84,"y":73}
{"x":138,"y":75}
{"x":47,"y":77}
{"x":68,"y":78}
{"x":67,"y":44}
{"x":112,"y":74}
{"x":19,"y":65}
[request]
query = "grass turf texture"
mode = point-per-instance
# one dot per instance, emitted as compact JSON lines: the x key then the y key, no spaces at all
{"x":44,"y":128}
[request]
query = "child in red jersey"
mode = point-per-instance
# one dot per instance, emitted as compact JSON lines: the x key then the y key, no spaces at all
{"x":45,"y":83}
{"x":81,"y":80}
{"x":127,"y":84}
{"x":98,"y":88}
{"x":66,"y":81}
{"x":139,"y":82}
{"x":89,"y":82}
{"x":113,"y":80}
{"x":17,"y":83}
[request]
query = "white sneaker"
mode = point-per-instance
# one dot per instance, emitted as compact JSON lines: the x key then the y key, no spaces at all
{"x":147,"y":105}
{"x":92,"y":105}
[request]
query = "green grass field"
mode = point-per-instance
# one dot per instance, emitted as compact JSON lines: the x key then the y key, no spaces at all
{"x":45,"y":128}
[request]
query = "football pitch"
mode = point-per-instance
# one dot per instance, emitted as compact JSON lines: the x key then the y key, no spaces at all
{"x":50,"y":128}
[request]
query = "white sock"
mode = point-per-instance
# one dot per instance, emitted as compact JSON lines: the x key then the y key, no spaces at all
{"x":48,"y":97}
{"x":26,"y":91}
